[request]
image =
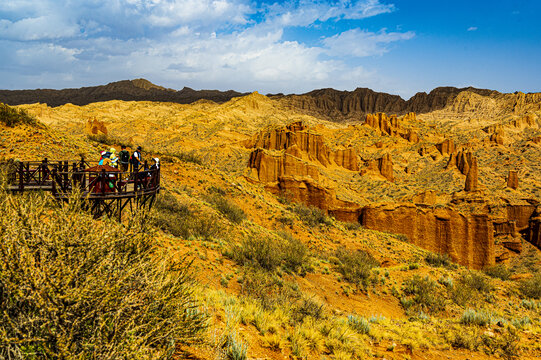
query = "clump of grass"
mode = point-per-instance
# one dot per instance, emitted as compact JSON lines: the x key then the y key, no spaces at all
{"x":229,"y":209}
{"x":438,"y":260}
{"x":12,"y":117}
{"x":359,"y":324}
{"x":311,"y":215}
{"x":531,"y":288}
{"x":355,"y":266}
{"x":67,"y":292}
{"x":422,"y":295}
{"x":189,"y":157}
{"x":474,"y":317}
{"x":234,"y":348}
{"x":178,"y":220}
{"x":499,"y":271}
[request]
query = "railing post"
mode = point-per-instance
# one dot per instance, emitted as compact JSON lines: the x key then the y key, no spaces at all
{"x":44,"y":169}
{"x":66,"y":175}
{"x":27,"y":172}
{"x":21,"y":176}
{"x":103,"y":183}
{"x":54,"y":181}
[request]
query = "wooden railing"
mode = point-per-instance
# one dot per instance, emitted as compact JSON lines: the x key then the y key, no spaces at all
{"x":64,"y":177}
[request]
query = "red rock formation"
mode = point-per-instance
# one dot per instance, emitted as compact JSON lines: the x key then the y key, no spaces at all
{"x":471,"y":176}
{"x":297,"y":141}
{"x":385,"y":166}
{"x":446,"y":147}
{"x":95,"y":127}
{"x":534,"y":231}
{"x":390,"y":125}
{"x":512,"y":179}
{"x":269,"y":168}
{"x":469,"y":240}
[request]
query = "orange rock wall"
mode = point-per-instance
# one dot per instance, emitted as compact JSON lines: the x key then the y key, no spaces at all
{"x":270,"y":168}
{"x":469,"y":240}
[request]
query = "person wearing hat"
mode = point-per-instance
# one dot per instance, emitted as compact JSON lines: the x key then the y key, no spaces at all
{"x":136,"y":159}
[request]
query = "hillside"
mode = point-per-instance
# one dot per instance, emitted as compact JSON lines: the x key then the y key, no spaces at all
{"x":286,"y":280}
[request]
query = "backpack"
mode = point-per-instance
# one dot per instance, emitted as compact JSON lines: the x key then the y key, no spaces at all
{"x":134,"y":160}
{"x":124,"y":157}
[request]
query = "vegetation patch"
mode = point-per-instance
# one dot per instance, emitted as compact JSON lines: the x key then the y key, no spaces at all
{"x":531,"y":288}
{"x":422,"y":294}
{"x":499,"y":271}
{"x":355,"y":265}
{"x":72,"y":287}
{"x":311,"y":215}
{"x":229,"y":209}
{"x":12,"y":117}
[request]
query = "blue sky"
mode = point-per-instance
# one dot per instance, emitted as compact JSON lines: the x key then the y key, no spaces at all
{"x":396,"y":46}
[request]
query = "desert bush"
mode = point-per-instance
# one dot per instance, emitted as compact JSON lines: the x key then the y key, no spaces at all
{"x":268,"y":253}
{"x":422,"y":294}
{"x":499,"y":271}
{"x":355,"y":266}
{"x":11,"y":117}
{"x":229,"y":209}
{"x":470,"y":288}
{"x":232,"y":348}
{"x":73,"y":287}
{"x":293,"y":252}
{"x":474,"y":317}
{"x":311,"y":215}
{"x":438,"y":260}
{"x":178,"y":220}
{"x":531,"y":288}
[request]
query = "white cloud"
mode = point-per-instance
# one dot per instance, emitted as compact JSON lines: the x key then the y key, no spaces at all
{"x":472,"y":28}
{"x":220,"y":44}
{"x":362,"y":43}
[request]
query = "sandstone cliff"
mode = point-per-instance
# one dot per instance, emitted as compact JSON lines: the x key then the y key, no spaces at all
{"x":468,"y":239}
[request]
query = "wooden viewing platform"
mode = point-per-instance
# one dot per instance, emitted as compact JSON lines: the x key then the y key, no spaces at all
{"x":104,"y":192}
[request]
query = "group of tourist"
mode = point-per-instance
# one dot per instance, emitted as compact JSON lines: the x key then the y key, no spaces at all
{"x":124,"y":159}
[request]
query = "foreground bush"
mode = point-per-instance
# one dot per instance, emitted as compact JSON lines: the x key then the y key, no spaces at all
{"x":73,"y":287}
{"x":311,"y":215}
{"x":228,"y":208}
{"x":11,"y":117}
{"x":499,"y":271}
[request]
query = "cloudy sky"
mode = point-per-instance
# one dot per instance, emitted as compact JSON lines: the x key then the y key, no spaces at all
{"x":396,"y":46}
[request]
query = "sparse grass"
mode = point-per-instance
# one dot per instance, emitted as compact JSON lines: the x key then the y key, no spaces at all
{"x":470,"y":288}
{"x":12,"y":117}
{"x":178,"y":220}
{"x":531,"y":288}
{"x":355,"y":266}
{"x":109,"y":140}
{"x":229,"y":209}
{"x":189,"y":157}
{"x":359,"y":324}
{"x":67,"y":292}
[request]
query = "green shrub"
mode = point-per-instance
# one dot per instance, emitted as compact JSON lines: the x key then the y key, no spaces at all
{"x":499,"y":271}
{"x":307,"y":306}
{"x":361,"y":325}
{"x":470,"y":288}
{"x":438,"y":260}
{"x":11,"y":117}
{"x":269,"y":254}
{"x":73,"y":287}
{"x":531,"y":288}
{"x":190,"y":157}
{"x":268,"y":289}
{"x":178,"y":220}
{"x":355,"y":266}
{"x":473,"y":317}
{"x":229,"y":209}
{"x":422,"y":294}
{"x":311,"y":215}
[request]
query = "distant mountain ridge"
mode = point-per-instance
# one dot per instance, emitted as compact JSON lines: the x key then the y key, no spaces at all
{"x":127,"y":90}
{"x":327,"y":103}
